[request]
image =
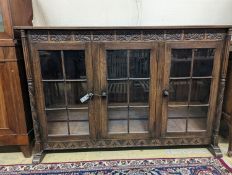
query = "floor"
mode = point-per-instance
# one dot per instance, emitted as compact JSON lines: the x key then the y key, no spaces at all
{"x":16,"y":157}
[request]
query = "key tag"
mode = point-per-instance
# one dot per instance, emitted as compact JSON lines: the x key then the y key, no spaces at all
{"x":86,"y":97}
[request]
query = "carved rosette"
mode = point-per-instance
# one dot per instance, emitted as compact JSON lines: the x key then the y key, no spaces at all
{"x":38,"y":35}
{"x":60,"y":36}
{"x":82,"y":36}
{"x":103,"y":36}
{"x":173,"y":35}
{"x":153,"y":35}
{"x":31,"y":91}
{"x":215,"y":34}
{"x":194,"y":35}
{"x":128,"y":35}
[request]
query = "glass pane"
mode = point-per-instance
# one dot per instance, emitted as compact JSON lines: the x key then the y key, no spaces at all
{"x":178,"y":91}
{"x":117,"y":113}
{"x":79,"y":128}
{"x":56,"y":115}
{"x":203,"y":62}
{"x":54,"y":94}
{"x":178,"y":112}
{"x":117,"y":92}
{"x":117,"y":120}
{"x":200,"y":91}
{"x":138,"y":120}
{"x":51,"y":65}
{"x":138,"y":113}
{"x":117,"y":126}
{"x":140,"y":63}
{"x":138,"y":126}
{"x":117,"y":63}
{"x":181,"y":62}
{"x":176,"y":125}
{"x":74,"y":62}
{"x":79,"y":114}
{"x":139,"y":92}
{"x":57,"y":128}
{"x":76,"y":90}
{"x":197,"y":124}
{"x":198,"y":111}
{"x":1,"y":21}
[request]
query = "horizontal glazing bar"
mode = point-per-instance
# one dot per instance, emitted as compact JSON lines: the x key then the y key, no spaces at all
{"x":52,"y":121}
{"x":188,"y":105}
{"x":67,"y":80}
{"x":54,"y":109}
{"x":124,"y":79}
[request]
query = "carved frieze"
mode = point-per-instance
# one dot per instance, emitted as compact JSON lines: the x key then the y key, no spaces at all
{"x":128,"y":35}
{"x":215,"y":34}
{"x":60,"y":35}
{"x":38,"y":35}
{"x":82,"y":36}
{"x":173,"y":35}
{"x":153,"y":35}
{"x":125,"y":143}
{"x":103,"y":36}
{"x":194,"y":35}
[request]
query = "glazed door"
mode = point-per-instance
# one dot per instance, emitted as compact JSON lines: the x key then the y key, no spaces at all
{"x":63,"y":74}
{"x":128,"y":80}
{"x":190,"y":86}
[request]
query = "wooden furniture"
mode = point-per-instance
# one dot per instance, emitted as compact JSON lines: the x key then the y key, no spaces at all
{"x":141,"y":86}
{"x":15,"y":125}
{"x":227,"y":107}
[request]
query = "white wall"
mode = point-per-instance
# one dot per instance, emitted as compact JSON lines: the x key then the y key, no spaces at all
{"x":131,"y":12}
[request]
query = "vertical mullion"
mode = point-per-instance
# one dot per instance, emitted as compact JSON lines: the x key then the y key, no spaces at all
{"x":190,"y":86}
{"x":128,"y":90}
{"x":65,"y":90}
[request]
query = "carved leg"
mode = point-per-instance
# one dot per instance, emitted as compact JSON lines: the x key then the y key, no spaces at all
{"x":230,"y":140}
{"x":215,"y":150}
{"x":37,"y":158}
{"x":26,"y":150}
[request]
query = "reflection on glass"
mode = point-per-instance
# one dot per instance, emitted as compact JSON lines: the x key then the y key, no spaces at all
{"x":117,"y":92}
{"x":178,"y":91}
{"x":181,"y":62}
{"x":176,"y":125}
{"x":203,"y":62}
{"x":51,"y":64}
{"x":79,"y":128}
{"x":117,"y":113}
{"x":117,"y":126}
{"x":140,"y":63}
{"x":74,"y":62}
{"x":200,"y":91}
{"x":138,"y":120}
{"x":117,"y":63}
{"x":198,"y":111}
{"x":139,"y":91}
{"x":57,"y":128}
{"x":1,"y":21}
{"x":128,"y":99}
{"x":197,"y":124}
{"x":56,"y":115}
{"x":76,"y":90}
{"x":78,"y":114}
{"x":54,"y":94}
{"x":138,"y":113}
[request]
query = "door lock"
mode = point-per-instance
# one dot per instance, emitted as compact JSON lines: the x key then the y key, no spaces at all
{"x":165,"y":93}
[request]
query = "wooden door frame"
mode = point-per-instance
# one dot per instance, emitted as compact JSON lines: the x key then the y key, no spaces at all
{"x":218,"y":45}
{"x":101,"y":65}
{"x":39,"y":93}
